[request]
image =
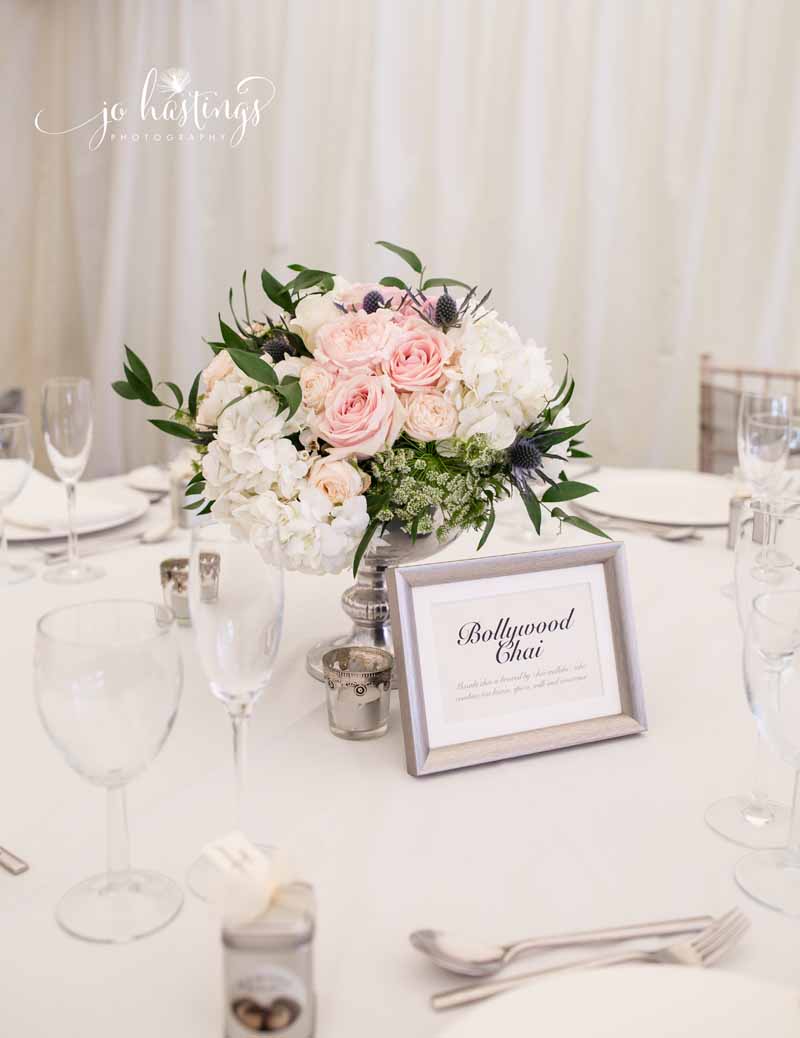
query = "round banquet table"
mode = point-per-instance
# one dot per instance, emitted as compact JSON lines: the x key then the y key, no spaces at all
{"x":597,"y":835}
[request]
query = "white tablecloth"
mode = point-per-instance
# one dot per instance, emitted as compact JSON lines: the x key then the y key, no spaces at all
{"x":591,"y":836}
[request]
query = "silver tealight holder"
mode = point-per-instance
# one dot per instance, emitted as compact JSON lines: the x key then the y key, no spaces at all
{"x":358,"y":680}
{"x":175,"y":587}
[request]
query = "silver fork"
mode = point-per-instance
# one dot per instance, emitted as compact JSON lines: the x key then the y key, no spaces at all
{"x":704,"y":949}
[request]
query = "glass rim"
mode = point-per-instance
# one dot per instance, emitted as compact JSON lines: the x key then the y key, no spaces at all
{"x":11,"y":418}
{"x":786,"y":592}
{"x":168,"y":614}
{"x":65,"y":380}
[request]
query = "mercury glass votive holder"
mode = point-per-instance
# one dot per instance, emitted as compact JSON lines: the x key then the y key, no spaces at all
{"x":175,"y":587}
{"x":358,"y":680}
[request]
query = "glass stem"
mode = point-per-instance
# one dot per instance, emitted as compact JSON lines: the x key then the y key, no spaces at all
{"x":239,"y":719}
{"x":758,"y":792}
{"x":72,"y":540}
{"x":118,"y":848}
{"x":793,"y":848}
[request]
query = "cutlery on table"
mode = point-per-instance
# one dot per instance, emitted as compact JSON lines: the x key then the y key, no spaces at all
{"x":11,"y":863}
{"x":702,"y":950}
{"x":472,"y":958}
{"x":663,"y":533}
{"x":149,"y":536}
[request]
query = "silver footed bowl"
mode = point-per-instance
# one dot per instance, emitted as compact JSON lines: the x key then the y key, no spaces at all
{"x":367,"y":601}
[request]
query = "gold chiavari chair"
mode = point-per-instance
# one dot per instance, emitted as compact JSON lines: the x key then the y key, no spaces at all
{"x":721,"y":387}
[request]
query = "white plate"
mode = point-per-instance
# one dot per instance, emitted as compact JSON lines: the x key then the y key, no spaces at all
{"x":636,"y":1002}
{"x":137,"y":506}
{"x":669,"y":496}
{"x":150,"y":479}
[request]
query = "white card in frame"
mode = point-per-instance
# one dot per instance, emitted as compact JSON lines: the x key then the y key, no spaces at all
{"x":515,"y":654}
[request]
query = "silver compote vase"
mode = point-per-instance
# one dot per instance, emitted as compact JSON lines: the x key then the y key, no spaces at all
{"x":367,"y":601}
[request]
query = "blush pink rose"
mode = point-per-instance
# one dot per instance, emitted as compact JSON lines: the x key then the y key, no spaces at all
{"x":338,"y":480}
{"x":355,"y":341}
{"x":362,"y":415}
{"x":416,"y":357}
{"x":315,"y":381}
{"x":430,"y":416}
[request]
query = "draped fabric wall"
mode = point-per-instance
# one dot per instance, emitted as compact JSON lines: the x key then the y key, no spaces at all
{"x":624,"y":173}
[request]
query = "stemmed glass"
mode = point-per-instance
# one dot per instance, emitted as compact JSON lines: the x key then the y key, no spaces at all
{"x":762,"y":440}
{"x":236,"y":605}
{"x":67,"y":427}
{"x":771,"y":530}
{"x":16,"y":459}
{"x":772,"y":660}
{"x":108,"y":682}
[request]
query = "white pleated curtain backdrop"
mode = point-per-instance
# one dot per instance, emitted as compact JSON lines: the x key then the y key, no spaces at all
{"x":626,"y":175}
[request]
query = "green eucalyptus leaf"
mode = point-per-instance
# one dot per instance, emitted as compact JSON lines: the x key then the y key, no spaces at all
{"x":138,"y":367}
{"x":580,"y":524}
{"x":488,"y":527}
{"x":434,"y":282}
{"x":363,"y":544}
{"x":174,"y":429}
{"x":406,"y":255}
{"x":532,"y":506}
{"x":144,"y":392}
{"x":277,"y":292}
{"x":177,"y":392}
{"x":216,"y":346}
{"x":575,"y":453}
{"x":232,"y":339}
{"x":124,"y":389}
{"x":549,"y":438}
{"x":192,"y":404}
{"x":207,"y":509}
{"x":567,"y":491}
{"x":254,"y":366}
{"x":292,"y":394}
{"x":307,"y":279}
{"x":391,"y":282}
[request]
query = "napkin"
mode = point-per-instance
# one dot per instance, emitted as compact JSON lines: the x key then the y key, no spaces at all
{"x":42,"y":505}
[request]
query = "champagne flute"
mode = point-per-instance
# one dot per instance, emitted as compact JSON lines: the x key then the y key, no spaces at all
{"x":772,"y":660}
{"x":16,"y":459}
{"x":762,"y":440}
{"x":67,"y":427}
{"x":236,"y":605}
{"x":108,"y":682}
{"x":769,"y":530}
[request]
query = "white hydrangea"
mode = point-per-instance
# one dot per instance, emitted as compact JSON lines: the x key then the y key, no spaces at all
{"x":258,"y":480}
{"x":498,"y":383}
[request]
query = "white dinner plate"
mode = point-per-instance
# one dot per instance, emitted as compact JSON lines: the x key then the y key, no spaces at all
{"x":149,"y":479}
{"x":636,"y":1002}
{"x":137,"y":504}
{"x":670,"y":496}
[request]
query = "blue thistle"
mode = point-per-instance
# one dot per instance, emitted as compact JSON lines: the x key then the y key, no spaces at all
{"x":277,"y":345}
{"x":524,"y":456}
{"x":372,"y":301}
{"x":446,"y":310}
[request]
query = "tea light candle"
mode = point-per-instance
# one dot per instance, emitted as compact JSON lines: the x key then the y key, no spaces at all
{"x":175,"y":586}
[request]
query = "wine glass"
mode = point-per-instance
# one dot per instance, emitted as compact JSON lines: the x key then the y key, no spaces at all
{"x":772,"y":660}
{"x":67,"y":427}
{"x":108,"y":680}
{"x":753,"y":820}
{"x":236,"y":605}
{"x":762,"y":440}
{"x":16,"y":459}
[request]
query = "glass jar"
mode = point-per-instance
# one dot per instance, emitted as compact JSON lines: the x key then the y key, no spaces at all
{"x":268,"y":969}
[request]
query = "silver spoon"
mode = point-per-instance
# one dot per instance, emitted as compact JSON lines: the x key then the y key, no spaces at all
{"x":471,"y":958}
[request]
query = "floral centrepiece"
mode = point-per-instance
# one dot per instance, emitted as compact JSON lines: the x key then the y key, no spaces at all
{"x":362,"y":404}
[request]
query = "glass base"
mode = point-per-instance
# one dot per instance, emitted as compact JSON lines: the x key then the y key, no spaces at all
{"x":137,"y":904}
{"x":14,"y":573}
{"x":738,"y":820}
{"x":771,"y":878}
{"x":207,"y":883}
{"x":73,"y":573}
{"x":347,"y":733}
